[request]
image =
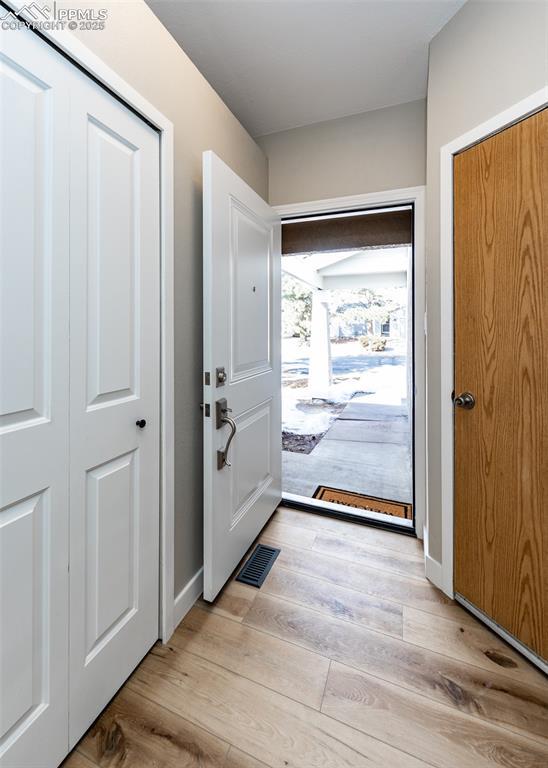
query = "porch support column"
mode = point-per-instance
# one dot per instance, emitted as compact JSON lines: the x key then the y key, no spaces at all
{"x":320,"y":373}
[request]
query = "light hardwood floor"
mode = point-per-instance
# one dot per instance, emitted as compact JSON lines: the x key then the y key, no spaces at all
{"x":346,"y":656}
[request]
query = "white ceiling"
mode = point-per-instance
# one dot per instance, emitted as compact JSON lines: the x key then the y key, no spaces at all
{"x":280,"y":64}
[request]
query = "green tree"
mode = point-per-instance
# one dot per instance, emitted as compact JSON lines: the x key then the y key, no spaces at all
{"x":296,"y":308}
{"x":360,"y":307}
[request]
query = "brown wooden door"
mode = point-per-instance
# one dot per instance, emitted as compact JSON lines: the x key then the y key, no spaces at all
{"x":501,"y":356}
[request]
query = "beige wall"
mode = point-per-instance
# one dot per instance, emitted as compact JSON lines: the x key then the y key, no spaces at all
{"x":374,"y":151}
{"x":140,"y":49}
{"x":488,"y":57}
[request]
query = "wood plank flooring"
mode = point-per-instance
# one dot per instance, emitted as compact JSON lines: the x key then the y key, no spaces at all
{"x":346,"y":657}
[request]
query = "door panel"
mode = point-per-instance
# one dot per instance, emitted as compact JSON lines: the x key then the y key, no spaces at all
{"x":112,"y":532}
{"x":114,"y":348}
{"x":252,"y":456}
{"x":113,"y":310}
{"x":501,"y":356}
{"x":25,"y":558}
{"x":241,"y":335}
{"x":250,"y":351}
{"x":34,"y":369}
{"x":23,"y":347}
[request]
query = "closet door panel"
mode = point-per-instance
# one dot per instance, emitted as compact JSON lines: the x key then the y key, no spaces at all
{"x":34,"y":371}
{"x":114,"y":350}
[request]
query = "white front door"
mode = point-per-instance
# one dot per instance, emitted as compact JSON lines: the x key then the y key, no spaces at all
{"x":114,"y":373}
{"x":34,"y":375}
{"x":242,"y":335}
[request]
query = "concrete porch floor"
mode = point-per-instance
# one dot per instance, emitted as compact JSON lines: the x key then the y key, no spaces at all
{"x":367,"y":450}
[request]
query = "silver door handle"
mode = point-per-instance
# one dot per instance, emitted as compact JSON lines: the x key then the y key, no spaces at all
{"x":222,"y":456}
{"x":222,"y":417}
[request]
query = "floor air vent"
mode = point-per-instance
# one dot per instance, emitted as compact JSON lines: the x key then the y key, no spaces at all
{"x":257,"y":567}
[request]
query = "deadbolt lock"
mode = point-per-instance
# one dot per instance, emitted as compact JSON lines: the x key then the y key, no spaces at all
{"x":220,"y":376}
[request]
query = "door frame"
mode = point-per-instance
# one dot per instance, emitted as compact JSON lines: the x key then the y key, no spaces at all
{"x":414,"y":196}
{"x":84,"y":59}
{"x":441,"y":574}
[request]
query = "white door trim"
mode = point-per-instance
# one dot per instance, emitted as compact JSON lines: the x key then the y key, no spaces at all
{"x":416,"y":196}
{"x":77,"y":52}
{"x":442,"y":573}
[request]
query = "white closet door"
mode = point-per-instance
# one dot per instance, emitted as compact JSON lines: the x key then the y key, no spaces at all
{"x":34,"y":373}
{"x":115,"y":363}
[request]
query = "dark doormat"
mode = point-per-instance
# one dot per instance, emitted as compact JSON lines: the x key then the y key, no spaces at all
{"x":360,"y":501}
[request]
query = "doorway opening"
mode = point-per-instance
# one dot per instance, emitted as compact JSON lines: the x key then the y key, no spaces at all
{"x":347,"y":363}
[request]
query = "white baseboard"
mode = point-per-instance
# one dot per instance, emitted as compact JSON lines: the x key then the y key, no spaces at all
{"x":434,"y":572}
{"x":188,"y":596}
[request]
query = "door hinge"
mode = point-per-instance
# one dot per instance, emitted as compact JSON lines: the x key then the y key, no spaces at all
{"x":207,"y":378}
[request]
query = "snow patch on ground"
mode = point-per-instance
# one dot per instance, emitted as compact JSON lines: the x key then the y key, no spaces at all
{"x":358,"y":375}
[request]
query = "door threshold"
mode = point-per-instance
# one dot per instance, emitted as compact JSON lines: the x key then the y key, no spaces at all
{"x":530,"y":655}
{"x":372,"y":519}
